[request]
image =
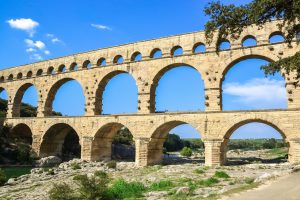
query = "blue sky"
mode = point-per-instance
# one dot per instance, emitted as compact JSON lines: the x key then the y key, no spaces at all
{"x":38,"y":30}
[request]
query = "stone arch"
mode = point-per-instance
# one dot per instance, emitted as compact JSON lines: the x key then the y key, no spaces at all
{"x":101,"y":62}
{"x":54,"y":139}
{"x":50,"y":70}
{"x":279,"y":33}
{"x":10,"y":77}
{"x":154,"y":51}
{"x":223,"y":41}
{"x":39,"y":72}
{"x":248,"y":37}
{"x":29,"y":74}
{"x":102,"y":141}
{"x":197,"y":45}
{"x":17,"y":101}
{"x":19,"y":75}
{"x":158,"y":76}
{"x":2,"y":79}
{"x":21,"y":133}
{"x":176,"y":48}
{"x":117,"y":58}
{"x":159,"y":135}
{"x":238,"y":122}
{"x":52,"y":92}
{"x":101,"y":87}
{"x":134,"y":56}
{"x":62,"y":68}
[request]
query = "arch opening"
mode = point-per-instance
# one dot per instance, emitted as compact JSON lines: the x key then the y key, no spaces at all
{"x":276,"y":37}
{"x":249,"y":41}
{"x":19,"y":75}
{"x":74,"y":66}
{"x":156,"y":53}
{"x":51,"y":71}
{"x":61,"y":140}
{"x":66,"y":97}
{"x":245,"y":86}
{"x":254,"y":141}
{"x":224,"y":45}
{"x":29,"y":74}
{"x":101,"y":62}
{"x":199,"y":48}
{"x":26,"y":101}
{"x":113,"y":141}
{"x":137,"y":56}
{"x":3,"y":102}
{"x":62,"y":68}
{"x":177,"y":88}
{"x":117,"y":93}
{"x":87,"y":64}
{"x":118,"y":59}
{"x":175,"y":142}
{"x":39,"y":72}
{"x":2,"y":79}
{"x":10,"y":77}
{"x":177,"y":51}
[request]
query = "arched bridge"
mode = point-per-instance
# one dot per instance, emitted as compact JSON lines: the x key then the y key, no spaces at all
{"x":94,"y":69}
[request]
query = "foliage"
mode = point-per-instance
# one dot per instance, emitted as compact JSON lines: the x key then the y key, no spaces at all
{"x":221,"y":174}
{"x":173,"y":143}
{"x":2,"y":177}
{"x":75,"y":166}
{"x":61,"y":191}
{"x":123,"y":136}
{"x":161,"y":185}
{"x":230,"y":20}
{"x":199,"y":171}
{"x":208,"y":182}
{"x":255,"y":144}
{"x":92,"y":188}
{"x":121,"y":189}
{"x":186,"y":152}
{"x":24,"y":154}
{"x":112,"y":164}
{"x":249,"y":180}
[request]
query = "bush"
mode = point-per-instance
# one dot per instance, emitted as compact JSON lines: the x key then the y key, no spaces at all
{"x":61,"y":191}
{"x":199,"y":171}
{"x":2,"y":177}
{"x":161,"y":185}
{"x":24,"y":154}
{"x":121,"y":189}
{"x":209,"y":182}
{"x":75,"y":166}
{"x":221,"y":174}
{"x":173,"y":143}
{"x":112,"y":164}
{"x":186,"y":152}
{"x":249,"y":180}
{"x":94,"y":187}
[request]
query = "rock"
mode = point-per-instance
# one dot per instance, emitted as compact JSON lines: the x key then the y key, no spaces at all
{"x":11,"y":181}
{"x":263,"y":177}
{"x":48,"y":161}
{"x":156,"y":195}
{"x":183,"y":190}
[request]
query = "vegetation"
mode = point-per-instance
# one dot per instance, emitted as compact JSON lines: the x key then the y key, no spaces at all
{"x":112,"y":164}
{"x":187,"y":152}
{"x":221,"y":174}
{"x":121,"y":189}
{"x":61,"y":191}
{"x":13,"y":172}
{"x":230,"y":20}
{"x":2,"y":177}
{"x":123,"y":136}
{"x":173,"y":143}
{"x":256,"y":144}
{"x":161,"y":185}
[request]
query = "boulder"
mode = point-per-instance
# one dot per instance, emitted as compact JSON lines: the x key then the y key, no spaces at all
{"x":183,"y":190}
{"x":48,"y":161}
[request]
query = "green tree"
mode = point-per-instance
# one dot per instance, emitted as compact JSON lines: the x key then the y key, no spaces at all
{"x":230,"y":20}
{"x":173,"y":143}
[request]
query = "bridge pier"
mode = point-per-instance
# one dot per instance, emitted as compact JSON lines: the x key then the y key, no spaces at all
{"x":294,"y":151}
{"x":214,"y":156}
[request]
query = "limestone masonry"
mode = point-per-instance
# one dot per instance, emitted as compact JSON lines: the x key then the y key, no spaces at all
{"x":149,"y":129}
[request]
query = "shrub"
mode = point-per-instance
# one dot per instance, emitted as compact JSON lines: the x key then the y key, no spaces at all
{"x":122,"y":189}
{"x":75,"y":166}
{"x":208,"y":182}
{"x":161,"y":185}
{"x":221,"y":174}
{"x":2,"y":177}
{"x":186,"y":152}
{"x":173,"y":143}
{"x":24,"y":153}
{"x":249,"y":180}
{"x":61,"y":191}
{"x":112,"y":164}
{"x":94,"y":187}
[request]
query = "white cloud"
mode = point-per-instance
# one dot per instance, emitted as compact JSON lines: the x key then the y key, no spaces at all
{"x":100,"y":26}
{"x":37,"y":44}
{"x":53,"y":38}
{"x":27,"y":25}
{"x":260,"y":93}
{"x":47,"y":52}
{"x":30,"y":50}
{"x":49,"y":35}
{"x":36,"y":56}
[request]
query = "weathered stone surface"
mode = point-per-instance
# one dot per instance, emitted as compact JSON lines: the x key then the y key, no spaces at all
{"x":48,"y":161}
{"x":149,"y":129}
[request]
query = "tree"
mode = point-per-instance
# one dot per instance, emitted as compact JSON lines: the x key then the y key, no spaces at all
{"x":230,"y":20}
{"x":173,"y":143}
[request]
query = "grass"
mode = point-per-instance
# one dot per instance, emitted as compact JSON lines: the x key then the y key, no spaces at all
{"x":221,"y":174}
{"x":161,"y":185}
{"x":280,"y":152}
{"x":14,"y":172}
{"x":121,"y":189}
{"x":199,"y":171}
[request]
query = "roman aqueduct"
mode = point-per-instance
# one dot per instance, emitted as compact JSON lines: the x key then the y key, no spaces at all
{"x":149,"y":129}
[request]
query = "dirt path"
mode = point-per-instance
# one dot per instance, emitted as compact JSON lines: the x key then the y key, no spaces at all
{"x":285,"y":188}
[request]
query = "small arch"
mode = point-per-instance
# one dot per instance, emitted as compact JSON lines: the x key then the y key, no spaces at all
{"x":249,"y":41}
{"x":61,"y":140}
{"x":2,"y":79}
{"x":39,"y":72}
{"x":199,"y":48}
{"x":21,"y":133}
{"x":87,"y":64}
{"x":29,"y":74}
{"x":101,"y":62}
{"x":156,"y":53}
{"x":137,"y":56}
{"x":4,"y":100}
{"x":74,"y":66}
{"x":176,"y":51}
{"x":50,"y":71}
{"x":105,"y":143}
{"x":19,"y":76}
{"x":118,"y":59}
{"x":276,"y":37}
{"x":62,"y":68}
{"x":10,"y":77}
{"x":224,"y":45}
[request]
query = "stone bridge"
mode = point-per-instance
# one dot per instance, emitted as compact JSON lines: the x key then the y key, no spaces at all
{"x":94,"y":69}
